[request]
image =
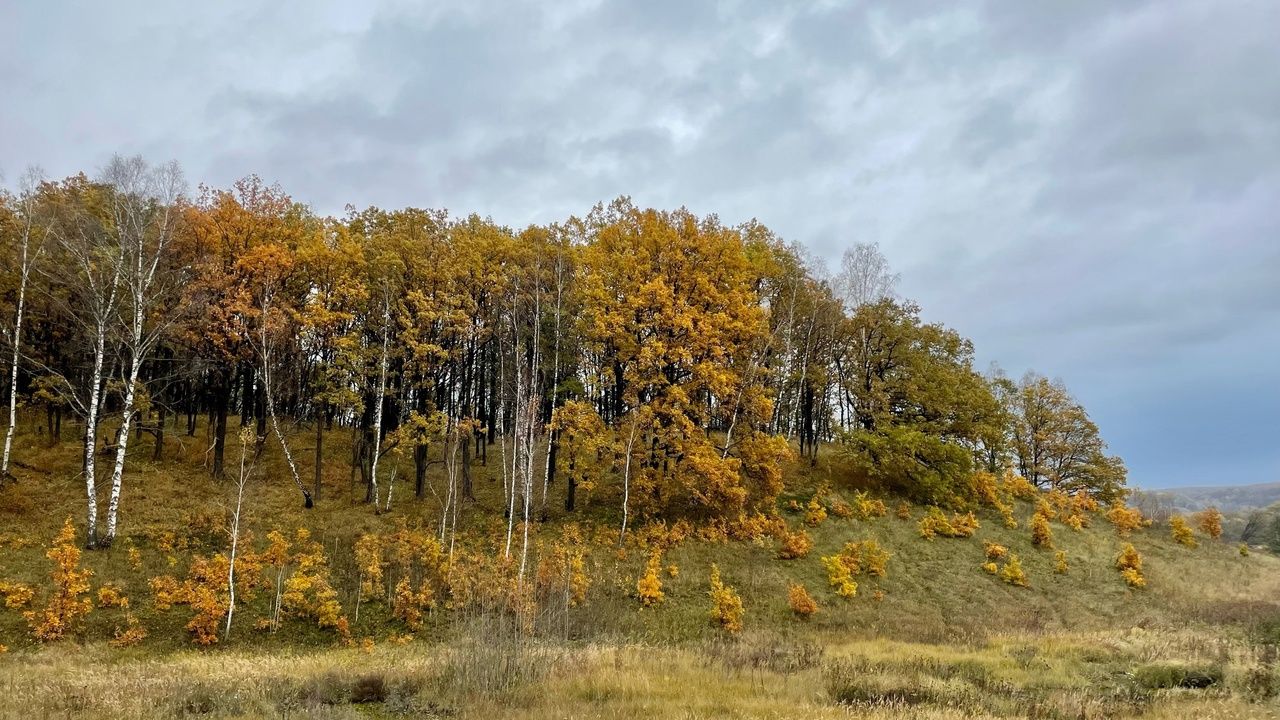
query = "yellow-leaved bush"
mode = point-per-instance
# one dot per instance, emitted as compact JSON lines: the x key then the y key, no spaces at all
{"x":66,"y":606}
{"x":1181,"y":532}
{"x":649,"y":586}
{"x":726,"y":605}
{"x":935,"y":523}
{"x":1129,"y":563}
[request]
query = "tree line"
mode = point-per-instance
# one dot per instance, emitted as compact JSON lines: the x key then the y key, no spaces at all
{"x":668,"y":359}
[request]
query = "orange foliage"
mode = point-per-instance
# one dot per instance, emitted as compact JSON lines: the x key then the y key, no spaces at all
{"x":65,"y":608}
{"x":726,"y":605}
{"x":801,"y":602}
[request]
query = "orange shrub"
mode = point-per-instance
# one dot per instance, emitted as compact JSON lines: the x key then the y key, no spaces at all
{"x":904,"y":510}
{"x":65,"y":608}
{"x":814,"y":512}
{"x":1018,"y":486}
{"x":935,"y":523}
{"x":795,"y":545}
{"x":16,"y":595}
{"x":1126,"y":519}
{"x":110,"y":596}
{"x":801,"y":602}
{"x":839,"y":576}
{"x":131,"y":634}
{"x":994,"y":551}
{"x":1041,"y":535}
{"x":991,"y":567}
{"x":1210,"y":522}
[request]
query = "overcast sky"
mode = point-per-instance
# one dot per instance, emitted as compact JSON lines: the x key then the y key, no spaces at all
{"x":1089,"y":189}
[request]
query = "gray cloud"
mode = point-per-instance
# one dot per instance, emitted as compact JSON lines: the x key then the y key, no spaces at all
{"x":1085,"y":188}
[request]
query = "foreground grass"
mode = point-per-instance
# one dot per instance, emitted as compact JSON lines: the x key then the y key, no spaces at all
{"x":490,"y":675}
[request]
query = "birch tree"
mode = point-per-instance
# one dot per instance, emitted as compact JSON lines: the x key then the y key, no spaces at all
{"x":29,"y":240}
{"x":143,"y":207}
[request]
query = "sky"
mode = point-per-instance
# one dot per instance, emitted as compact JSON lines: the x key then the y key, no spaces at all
{"x":1090,"y":189}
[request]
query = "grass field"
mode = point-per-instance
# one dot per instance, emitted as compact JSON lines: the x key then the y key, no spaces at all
{"x":935,"y":637}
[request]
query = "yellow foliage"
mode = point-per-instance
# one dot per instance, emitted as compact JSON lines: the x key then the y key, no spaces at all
{"x":1244,"y":550}
{"x":65,"y":607}
{"x":1126,"y":519}
{"x":935,"y":523}
{"x":726,"y":605}
{"x":1129,"y":563}
{"x":795,"y":545}
{"x":1041,"y":535}
{"x":135,"y":558}
{"x":1018,"y":486}
{"x":649,"y":586}
{"x":407,"y":605}
{"x":985,"y":487}
{"x":991,"y":567}
{"x":994,"y":551}
{"x":866,"y":507}
{"x":109,"y":596}
{"x":800,"y":601}
{"x":1210,"y":522}
{"x":1075,"y":521}
{"x":1012,"y":572}
{"x":904,"y":510}
{"x":839,"y":576}
{"x":1060,"y":562}
{"x":131,"y":634}
{"x":814,"y":512}
{"x":1181,"y":532}
{"x":16,"y":594}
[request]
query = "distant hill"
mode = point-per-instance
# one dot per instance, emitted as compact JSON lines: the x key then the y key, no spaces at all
{"x":1227,"y":498}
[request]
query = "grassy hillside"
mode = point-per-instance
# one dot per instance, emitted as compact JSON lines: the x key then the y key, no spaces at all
{"x":937,"y":634}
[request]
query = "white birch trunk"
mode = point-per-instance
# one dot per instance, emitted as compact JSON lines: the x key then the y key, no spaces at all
{"x":377,"y":413}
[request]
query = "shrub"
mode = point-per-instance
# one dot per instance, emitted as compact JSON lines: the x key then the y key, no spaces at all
{"x":1018,"y":486}
{"x":991,"y":567}
{"x":726,"y":605}
{"x":1181,"y":532}
{"x":866,"y":507}
{"x":1210,"y":522}
{"x":65,"y":608}
{"x":874,"y":559}
{"x":814,"y":512}
{"x":131,"y":634}
{"x":994,"y":551}
{"x":110,"y":596}
{"x":1012,"y":572}
{"x":841,"y":509}
{"x":1244,"y":550}
{"x":1126,"y":519}
{"x":904,"y":510}
{"x":135,"y":557}
{"x":801,"y":602}
{"x":1060,"y":562}
{"x":795,"y":545}
{"x":1129,"y":563}
{"x":936,"y":523}
{"x":16,"y":595}
{"x":649,"y":586}
{"x":839,"y":576}
{"x":1041,"y":535}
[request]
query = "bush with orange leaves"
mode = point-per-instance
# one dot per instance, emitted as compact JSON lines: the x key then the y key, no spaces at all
{"x":649,"y":586}
{"x":110,"y":596}
{"x":795,"y":545}
{"x":66,"y":607}
{"x":1210,"y":522}
{"x":307,"y":592}
{"x":840,"y":576}
{"x":800,"y":601}
{"x":985,"y":487}
{"x":935,"y":523}
{"x":16,"y":594}
{"x":1126,"y":519}
{"x":131,"y":634}
{"x":1041,"y":535}
{"x":904,"y":510}
{"x":994,"y":551}
{"x":1129,"y":563}
{"x":1181,"y":532}
{"x":726,"y":605}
